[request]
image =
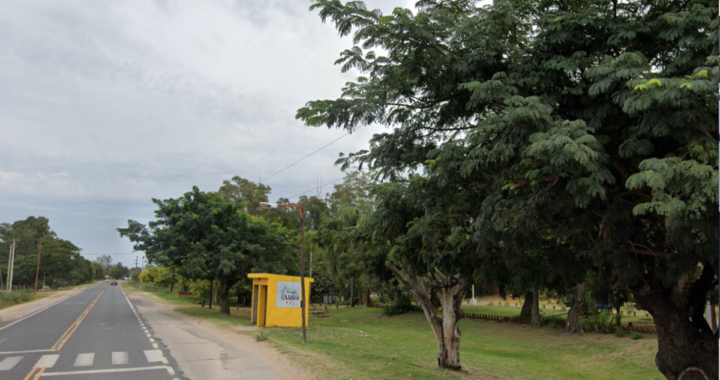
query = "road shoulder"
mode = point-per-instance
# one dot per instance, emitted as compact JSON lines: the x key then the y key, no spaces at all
{"x":204,"y":349}
{"x":16,"y":312}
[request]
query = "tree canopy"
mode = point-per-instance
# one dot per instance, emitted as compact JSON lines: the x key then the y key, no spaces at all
{"x":586,"y":128}
{"x":210,"y":238}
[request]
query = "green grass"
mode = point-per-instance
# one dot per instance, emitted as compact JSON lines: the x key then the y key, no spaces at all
{"x":359,"y":343}
{"x":214,"y":315}
{"x":403,"y":346}
{"x":163,"y":293}
{"x":17,"y":297}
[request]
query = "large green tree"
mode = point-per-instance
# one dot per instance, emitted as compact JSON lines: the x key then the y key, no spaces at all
{"x":61,"y":263}
{"x":246,"y":191}
{"x":210,"y":238}
{"x":590,"y":124}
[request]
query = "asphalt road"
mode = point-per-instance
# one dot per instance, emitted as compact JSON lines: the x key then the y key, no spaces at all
{"x":96,"y":334}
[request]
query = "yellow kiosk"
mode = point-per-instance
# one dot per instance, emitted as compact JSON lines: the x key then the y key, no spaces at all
{"x":276,"y":300}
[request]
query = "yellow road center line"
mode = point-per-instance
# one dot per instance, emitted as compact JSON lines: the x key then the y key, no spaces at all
{"x":73,"y":326}
{"x":37,"y":376}
{"x":87,"y":311}
{"x":27,"y":377}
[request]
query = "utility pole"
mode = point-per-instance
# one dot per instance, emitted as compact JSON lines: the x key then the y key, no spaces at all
{"x":37,"y":272}
{"x":136,"y":260}
{"x":11,"y":266}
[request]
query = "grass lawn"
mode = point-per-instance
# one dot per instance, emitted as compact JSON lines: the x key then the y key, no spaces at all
{"x":360,"y":343}
{"x":161,"y":292}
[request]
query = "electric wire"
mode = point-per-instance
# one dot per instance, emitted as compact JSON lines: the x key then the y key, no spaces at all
{"x":276,"y":148}
{"x":294,"y":163}
{"x":317,"y":187}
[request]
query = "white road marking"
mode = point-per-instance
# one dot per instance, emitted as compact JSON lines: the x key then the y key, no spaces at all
{"x":152,"y":340}
{"x":47,"y":361}
{"x":94,"y":371}
{"x":84,"y":360}
{"x":119,"y":358}
{"x":155,"y":346}
{"x":9,"y":362}
{"x":171,"y":371}
{"x":22,"y":352}
{"x":154,"y":356}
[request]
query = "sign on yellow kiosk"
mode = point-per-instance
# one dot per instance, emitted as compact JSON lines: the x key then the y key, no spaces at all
{"x":276,"y":300}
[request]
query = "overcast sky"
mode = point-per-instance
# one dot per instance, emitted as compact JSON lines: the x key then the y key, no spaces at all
{"x":107,"y":104}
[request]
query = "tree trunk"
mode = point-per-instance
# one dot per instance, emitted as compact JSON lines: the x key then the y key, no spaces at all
{"x":687,"y":347}
{"x":573,"y":322}
{"x":211,"y":294}
{"x":526,"y":312}
{"x":172,"y":279}
{"x":352,"y":292}
{"x":450,"y":292}
{"x":535,"y":321}
{"x":224,"y":295}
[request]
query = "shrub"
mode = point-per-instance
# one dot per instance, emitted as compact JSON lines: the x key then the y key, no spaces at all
{"x":635,"y":336}
{"x":402,"y":306}
{"x":552,"y":323}
{"x":619,"y":332}
{"x":261,"y":337}
{"x":600,"y":323}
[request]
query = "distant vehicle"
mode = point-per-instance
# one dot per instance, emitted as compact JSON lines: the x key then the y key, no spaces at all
{"x":113,"y":283}
{"x":106,"y":280}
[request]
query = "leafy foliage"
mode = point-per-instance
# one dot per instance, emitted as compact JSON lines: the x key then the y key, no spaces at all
{"x":582,"y":134}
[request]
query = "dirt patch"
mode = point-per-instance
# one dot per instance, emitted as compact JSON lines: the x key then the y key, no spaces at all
{"x":271,"y":356}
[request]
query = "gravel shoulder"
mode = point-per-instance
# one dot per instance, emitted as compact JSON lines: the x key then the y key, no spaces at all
{"x":204,"y":349}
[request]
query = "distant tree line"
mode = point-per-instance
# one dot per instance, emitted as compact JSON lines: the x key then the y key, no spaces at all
{"x":61,"y":262}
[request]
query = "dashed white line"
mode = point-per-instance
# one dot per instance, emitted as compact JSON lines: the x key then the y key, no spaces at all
{"x":119,"y":358}
{"x":47,"y":361}
{"x":154,"y":356}
{"x":84,"y":360}
{"x":9,"y":362}
{"x":94,"y":371}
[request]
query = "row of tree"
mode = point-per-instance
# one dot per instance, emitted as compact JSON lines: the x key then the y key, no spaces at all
{"x":569,"y":146}
{"x":544,"y":144}
{"x":61,"y":263}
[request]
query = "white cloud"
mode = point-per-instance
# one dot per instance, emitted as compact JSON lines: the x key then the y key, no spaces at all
{"x":104,"y":105}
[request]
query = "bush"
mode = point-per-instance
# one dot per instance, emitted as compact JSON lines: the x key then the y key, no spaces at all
{"x":635,"y":336}
{"x":402,"y":306}
{"x":261,"y":337}
{"x":552,"y":323}
{"x":600,"y":323}
{"x":619,"y":332}
{"x":15,"y":297}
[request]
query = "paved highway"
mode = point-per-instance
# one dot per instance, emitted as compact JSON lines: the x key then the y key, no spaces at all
{"x":96,"y":334}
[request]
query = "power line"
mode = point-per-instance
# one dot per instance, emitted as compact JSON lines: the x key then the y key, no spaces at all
{"x":276,"y":148}
{"x":317,"y":187}
{"x":291,"y":165}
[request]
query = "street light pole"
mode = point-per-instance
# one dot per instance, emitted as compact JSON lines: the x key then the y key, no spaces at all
{"x":303,"y":306}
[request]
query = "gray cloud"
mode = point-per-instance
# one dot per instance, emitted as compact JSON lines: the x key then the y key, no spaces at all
{"x":104,"y":105}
